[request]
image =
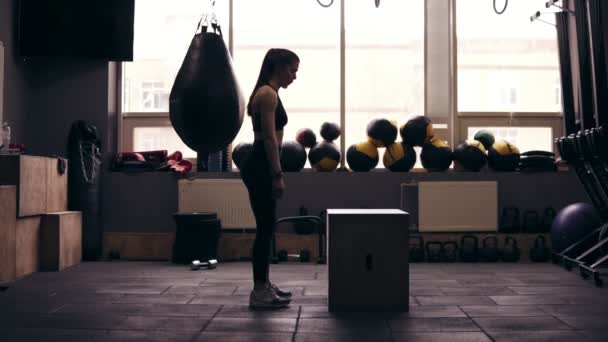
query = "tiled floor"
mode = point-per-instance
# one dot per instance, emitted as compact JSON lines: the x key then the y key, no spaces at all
{"x":151,"y":301}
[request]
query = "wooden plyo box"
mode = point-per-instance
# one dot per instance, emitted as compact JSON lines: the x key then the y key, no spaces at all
{"x":56,"y":186}
{"x":27,"y":246}
{"x":8,"y":221}
{"x":29,"y":174}
{"x":60,"y":240}
{"x":367,"y":266}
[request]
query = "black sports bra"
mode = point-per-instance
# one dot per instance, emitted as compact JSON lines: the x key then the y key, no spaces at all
{"x":280,"y":118}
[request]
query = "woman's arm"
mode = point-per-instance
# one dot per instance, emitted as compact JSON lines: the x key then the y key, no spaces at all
{"x":267,"y":104}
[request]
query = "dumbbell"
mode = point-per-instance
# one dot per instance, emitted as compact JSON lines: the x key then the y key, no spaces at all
{"x":209,"y":264}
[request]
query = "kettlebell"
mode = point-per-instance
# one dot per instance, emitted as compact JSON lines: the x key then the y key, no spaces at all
{"x":510,"y":252}
{"x":433,"y":251}
{"x":548,"y":217}
{"x":489,"y":249}
{"x":416,"y":245}
{"x":531,"y":223}
{"x":469,"y":248}
{"x":449,"y":251}
{"x":509,"y":220}
{"x":540,"y":252}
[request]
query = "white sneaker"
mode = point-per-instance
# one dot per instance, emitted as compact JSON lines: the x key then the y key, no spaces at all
{"x":279,"y":292}
{"x":266,"y":298}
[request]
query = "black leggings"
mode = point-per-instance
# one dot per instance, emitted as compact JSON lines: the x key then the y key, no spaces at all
{"x":257,"y":177}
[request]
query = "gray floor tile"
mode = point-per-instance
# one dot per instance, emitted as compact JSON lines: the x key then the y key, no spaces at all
{"x":550,"y":290}
{"x":315,"y":291}
{"x":74,"y":321}
{"x":586,"y":322}
{"x":528,"y":300}
{"x":521,"y":323}
{"x":221,"y":300}
{"x":154,"y":299}
{"x":246,"y":290}
{"x":595,"y":335}
{"x":430,"y":311}
{"x":257,"y":324}
{"x":202,"y":290}
{"x":209,"y":336}
{"x":476,"y":291}
{"x":441,"y":337}
{"x":101,"y":308}
{"x":503,"y":311}
{"x":68,"y":335}
{"x":309,"y":300}
{"x":243,"y":311}
{"x":334,"y":337}
{"x":433,"y":324}
{"x":574,"y":310}
{"x":148,"y":336}
{"x":339,"y":325}
{"x":177,"y":310}
{"x":163,"y":323}
{"x":136,"y":289}
{"x":454,"y":300}
{"x":536,"y":336}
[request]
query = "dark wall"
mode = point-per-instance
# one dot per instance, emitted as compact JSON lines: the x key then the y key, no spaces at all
{"x":16,"y":91}
{"x":44,"y":96}
{"x":145,"y":202}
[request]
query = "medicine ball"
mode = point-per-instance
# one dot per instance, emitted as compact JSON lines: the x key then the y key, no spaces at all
{"x":417,"y":131}
{"x":381,"y":132}
{"x":324,"y":156}
{"x":470,"y":155}
{"x":503,"y":156}
{"x":306,"y":137}
{"x":330,"y":131}
{"x":293,"y":156}
{"x":241,"y":152}
{"x":362,"y":157}
{"x":399,"y":157}
{"x":485,"y":137}
{"x":436,"y":155}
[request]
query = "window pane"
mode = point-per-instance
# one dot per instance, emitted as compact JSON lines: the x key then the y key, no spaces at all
{"x":159,"y":138}
{"x":163,"y":32}
{"x":505,"y":62}
{"x":525,"y":138}
{"x":309,"y":30}
{"x":384,"y":64}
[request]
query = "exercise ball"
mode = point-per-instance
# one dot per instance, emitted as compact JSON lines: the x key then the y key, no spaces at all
{"x":206,"y":104}
{"x":330,"y":131}
{"x":362,"y":157}
{"x":399,"y":157}
{"x":436,"y":155}
{"x":417,"y":131}
{"x":381,"y":132}
{"x":324,"y":156}
{"x":306,"y":137}
{"x":485,"y":137}
{"x":571,"y":224}
{"x":470,"y":155}
{"x":503,"y":156}
{"x":240,"y":153}
{"x":293,"y":156}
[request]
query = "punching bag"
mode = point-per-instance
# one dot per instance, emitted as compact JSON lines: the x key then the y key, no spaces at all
{"x":84,"y":153}
{"x":206,"y":104}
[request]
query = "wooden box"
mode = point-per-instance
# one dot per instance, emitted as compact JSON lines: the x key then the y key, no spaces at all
{"x":60,"y":240}
{"x":56,"y":186}
{"x":8,"y":214}
{"x":27,"y":246}
{"x":29,"y":174}
{"x":367,"y":260}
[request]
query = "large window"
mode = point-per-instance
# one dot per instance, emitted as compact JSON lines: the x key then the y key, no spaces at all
{"x":506,"y":67}
{"x":313,"y":33}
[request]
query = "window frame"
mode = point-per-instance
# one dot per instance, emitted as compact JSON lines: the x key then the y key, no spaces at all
{"x":457,"y":122}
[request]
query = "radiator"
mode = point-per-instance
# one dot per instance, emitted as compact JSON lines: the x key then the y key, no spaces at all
{"x":454,"y":206}
{"x":227,"y":197}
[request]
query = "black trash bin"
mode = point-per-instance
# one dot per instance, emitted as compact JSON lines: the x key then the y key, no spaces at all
{"x":196,"y":237}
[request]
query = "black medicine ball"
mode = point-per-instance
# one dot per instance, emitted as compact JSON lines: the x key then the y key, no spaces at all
{"x":362,"y":157}
{"x":503,"y":156}
{"x":241,"y":152}
{"x":399,"y":157}
{"x":293,"y":156}
{"x":381,"y":132}
{"x":330,"y":131}
{"x":324,"y":156}
{"x":306,"y":137}
{"x":470,"y":155}
{"x":436,"y":155}
{"x":417,"y":131}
